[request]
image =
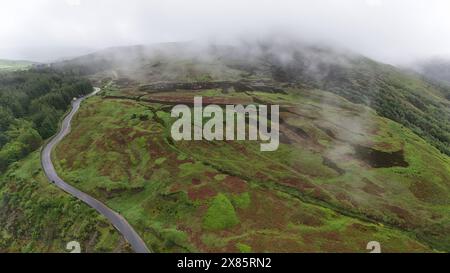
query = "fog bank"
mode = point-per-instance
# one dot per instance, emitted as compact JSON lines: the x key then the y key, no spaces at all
{"x":393,"y":31}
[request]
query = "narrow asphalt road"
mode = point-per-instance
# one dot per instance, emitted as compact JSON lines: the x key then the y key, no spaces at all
{"x":116,"y":219}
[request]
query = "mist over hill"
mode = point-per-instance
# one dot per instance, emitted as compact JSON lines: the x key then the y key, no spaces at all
{"x":437,"y":69}
{"x":404,"y":97}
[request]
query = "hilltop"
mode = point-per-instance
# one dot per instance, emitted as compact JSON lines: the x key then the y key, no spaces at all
{"x":421,"y":105}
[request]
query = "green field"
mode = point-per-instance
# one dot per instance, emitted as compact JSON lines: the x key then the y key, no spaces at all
{"x":8,"y":66}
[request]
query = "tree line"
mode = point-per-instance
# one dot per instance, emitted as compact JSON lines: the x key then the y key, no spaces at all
{"x":31,"y":105}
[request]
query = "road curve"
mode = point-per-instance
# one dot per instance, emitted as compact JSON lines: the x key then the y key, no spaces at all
{"x":116,"y":219}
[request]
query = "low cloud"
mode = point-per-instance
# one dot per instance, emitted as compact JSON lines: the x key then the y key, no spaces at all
{"x":394,"y":31}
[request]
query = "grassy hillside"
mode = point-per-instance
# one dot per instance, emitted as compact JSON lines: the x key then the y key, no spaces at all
{"x":436,"y":69}
{"x":36,"y":216}
{"x":343,"y":176}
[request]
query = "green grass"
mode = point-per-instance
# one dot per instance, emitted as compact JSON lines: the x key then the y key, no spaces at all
{"x":243,"y":248}
{"x":242,"y":200}
{"x":220,"y":214}
{"x":8,"y":65}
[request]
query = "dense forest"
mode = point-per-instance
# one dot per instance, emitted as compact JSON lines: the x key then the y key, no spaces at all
{"x":31,"y":104}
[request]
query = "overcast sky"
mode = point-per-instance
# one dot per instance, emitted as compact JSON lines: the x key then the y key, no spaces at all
{"x":393,"y":31}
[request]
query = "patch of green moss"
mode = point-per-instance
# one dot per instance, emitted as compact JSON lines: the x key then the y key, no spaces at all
{"x":243,"y":248}
{"x":220,"y":215}
{"x":241,"y":200}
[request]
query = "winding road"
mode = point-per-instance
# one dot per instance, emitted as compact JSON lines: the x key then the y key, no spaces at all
{"x":116,"y":219}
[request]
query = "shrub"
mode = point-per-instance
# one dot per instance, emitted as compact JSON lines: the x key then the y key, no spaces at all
{"x":220,"y":214}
